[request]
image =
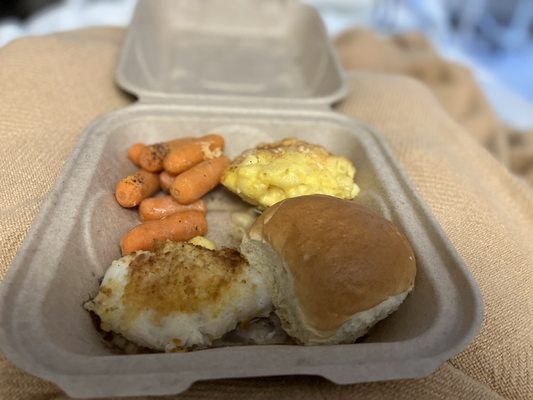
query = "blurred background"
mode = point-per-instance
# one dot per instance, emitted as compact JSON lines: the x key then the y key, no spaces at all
{"x":494,"y":38}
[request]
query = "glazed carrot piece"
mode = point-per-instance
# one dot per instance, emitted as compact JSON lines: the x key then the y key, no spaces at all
{"x":165,"y":180}
{"x":192,"y":184}
{"x":178,"y":227}
{"x":184,"y":157}
{"x":131,"y":190}
{"x":151,"y":158}
{"x":135,"y":152}
{"x":161,"y":207}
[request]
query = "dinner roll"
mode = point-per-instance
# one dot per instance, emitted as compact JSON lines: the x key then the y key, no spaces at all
{"x":333,"y":268}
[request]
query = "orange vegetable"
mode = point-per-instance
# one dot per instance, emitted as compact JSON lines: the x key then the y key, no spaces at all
{"x":184,"y":157}
{"x":161,"y":207}
{"x":131,"y":190}
{"x":192,"y":184}
{"x":182,"y":226}
{"x":135,"y":152}
{"x":151,"y":157}
{"x":165,"y":180}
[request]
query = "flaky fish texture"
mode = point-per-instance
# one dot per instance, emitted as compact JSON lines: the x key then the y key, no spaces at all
{"x":179,"y":296}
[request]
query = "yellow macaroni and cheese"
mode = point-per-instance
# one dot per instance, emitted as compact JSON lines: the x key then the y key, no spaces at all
{"x":273,"y":172}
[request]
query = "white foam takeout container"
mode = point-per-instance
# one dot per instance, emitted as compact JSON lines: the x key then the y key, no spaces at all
{"x":254,"y":71}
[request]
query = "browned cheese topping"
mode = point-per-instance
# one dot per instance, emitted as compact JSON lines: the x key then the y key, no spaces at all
{"x":279,"y":149}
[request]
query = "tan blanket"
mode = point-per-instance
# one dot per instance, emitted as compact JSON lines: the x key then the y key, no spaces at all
{"x":52,"y":87}
{"x":452,"y":84}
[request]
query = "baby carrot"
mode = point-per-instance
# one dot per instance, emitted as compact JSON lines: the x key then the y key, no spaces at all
{"x":192,"y":184}
{"x":131,"y":190}
{"x":165,"y":180}
{"x":178,"y":227}
{"x":135,"y":151}
{"x":151,"y":158}
{"x":184,"y":157}
{"x":161,"y":207}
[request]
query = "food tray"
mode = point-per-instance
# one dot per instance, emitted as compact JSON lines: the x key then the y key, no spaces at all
{"x":44,"y":328}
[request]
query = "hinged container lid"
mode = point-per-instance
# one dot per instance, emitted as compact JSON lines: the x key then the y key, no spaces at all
{"x":252,"y":50}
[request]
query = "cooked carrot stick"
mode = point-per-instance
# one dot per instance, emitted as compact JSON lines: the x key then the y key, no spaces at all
{"x":131,"y":190}
{"x":135,"y":151}
{"x":192,"y":184}
{"x":165,"y":180}
{"x":184,"y":157}
{"x":178,"y":227}
{"x":161,"y":207}
{"x":151,"y":158}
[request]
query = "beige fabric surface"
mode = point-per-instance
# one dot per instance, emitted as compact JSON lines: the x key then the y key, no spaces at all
{"x":52,"y":87}
{"x":452,"y":84}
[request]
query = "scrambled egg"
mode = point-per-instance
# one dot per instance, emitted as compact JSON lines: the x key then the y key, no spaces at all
{"x":273,"y":172}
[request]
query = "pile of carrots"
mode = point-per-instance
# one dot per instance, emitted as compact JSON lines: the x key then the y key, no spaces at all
{"x":187,"y":169}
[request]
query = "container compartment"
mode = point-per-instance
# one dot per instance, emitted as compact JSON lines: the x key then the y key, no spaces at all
{"x":47,"y":332}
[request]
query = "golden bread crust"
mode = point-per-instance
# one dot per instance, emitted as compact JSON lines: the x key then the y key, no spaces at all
{"x":343,"y":257}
